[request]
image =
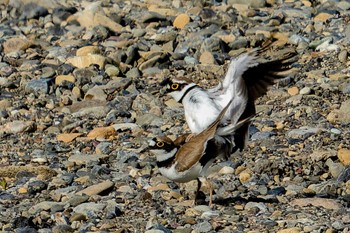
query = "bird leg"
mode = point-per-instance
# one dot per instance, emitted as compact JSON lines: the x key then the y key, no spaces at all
{"x":210,"y":193}
{"x":199,"y":184}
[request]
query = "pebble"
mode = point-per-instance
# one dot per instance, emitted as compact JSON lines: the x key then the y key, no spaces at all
{"x":15,"y":44}
{"x":37,"y":87}
{"x":89,"y":209}
{"x":293,"y":91}
{"x":204,"y":226}
{"x":344,"y":156}
{"x":64,"y":78}
{"x":96,"y":189}
{"x":302,"y":132}
{"x":305,"y":91}
{"x":45,"y":205}
{"x":181,"y":21}
{"x":18,"y":127}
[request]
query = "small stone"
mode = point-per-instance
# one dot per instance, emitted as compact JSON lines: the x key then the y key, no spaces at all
{"x":290,"y":230}
{"x":5,"y":104}
{"x":335,"y":131}
{"x":18,"y":126}
{"x":227,"y":170}
{"x":22,"y":190}
{"x":102,"y":132}
{"x":40,"y":86}
{"x":15,"y":44}
{"x":87,"y":60}
{"x":89,"y":208}
{"x":261,"y":206}
{"x":204,"y":226}
{"x":112,"y":71}
{"x":36,"y":186}
{"x":61,"y":78}
{"x":87,"y":50}
{"x":76,"y":92}
{"x":83,"y":159}
{"x":45,"y":205}
{"x":343,"y":56}
{"x":338,"y":225}
{"x":181,"y":21}
{"x":62,"y":228}
{"x":305,"y":91}
{"x":96,"y":93}
{"x":47,"y":72}
{"x":134,"y":73}
{"x":303,"y":132}
{"x":293,"y":91}
{"x":320,"y":202}
{"x":68,"y":137}
{"x":322,"y":17}
{"x":96,"y":189}
{"x":207,"y":58}
{"x":244,"y":176}
{"x":344,"y":156}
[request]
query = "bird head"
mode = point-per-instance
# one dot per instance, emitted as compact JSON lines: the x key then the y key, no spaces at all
{"x":163,"y":148}
{"x":176,"y":87}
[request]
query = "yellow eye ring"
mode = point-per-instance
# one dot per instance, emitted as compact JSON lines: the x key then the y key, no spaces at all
{"x":160,"y":144}
{"x":175,"y":86}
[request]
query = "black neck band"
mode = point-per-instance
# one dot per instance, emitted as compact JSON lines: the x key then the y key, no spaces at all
{"x":186,"y":92}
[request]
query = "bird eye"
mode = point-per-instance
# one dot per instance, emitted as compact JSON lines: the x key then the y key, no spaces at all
{"x":175,"y":86}
{"x":160,"y":144}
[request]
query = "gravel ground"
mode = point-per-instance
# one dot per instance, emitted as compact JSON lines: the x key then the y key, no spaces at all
{"x":80,"y":97}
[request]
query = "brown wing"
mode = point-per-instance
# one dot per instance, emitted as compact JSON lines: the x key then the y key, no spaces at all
{"x":179,"y":141}
{"x":192,"y":151}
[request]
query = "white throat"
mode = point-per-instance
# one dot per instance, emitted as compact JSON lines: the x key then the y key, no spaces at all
{"x":162,"y":155}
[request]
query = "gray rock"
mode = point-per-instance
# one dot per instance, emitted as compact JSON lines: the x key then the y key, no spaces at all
{"x":251,"y":3}
{"x":62,"y":228}
{"x":96,"y":93}
{"x":45,"y":205}
{"x":149,"y":119}
{"x":344,"y":5}
{"x":261,"y":206}
{"x":327,"y":187}
{"x":204,"y":226}
{"x":32,"y":10}
{"x":25,"y":230}
{"x":111,"y":70}
{"x":104,"y":147}
{"x":336,"y":131}
{"x":343,"y":56}
{"x":344,"y":176}
{"x":296,"y":39}
{"x":334,"y":168}
{"x":262,"y":135}
{"x":345,"y":87}
{"x":305,"y":91}
{"x":37,"y":87}
{"x":89,"y":208}
{"x":338,"y":225}
{"x":303,"y":132}
{"x":134,"y":73}
{"x":76,"y":200}
{"x":85,"y":158}
{"x":191,"y":60}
